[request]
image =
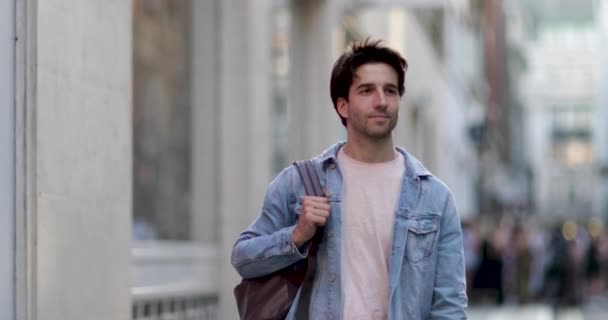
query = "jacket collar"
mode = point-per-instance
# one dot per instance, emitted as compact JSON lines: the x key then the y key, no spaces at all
{"x":413,"y":167}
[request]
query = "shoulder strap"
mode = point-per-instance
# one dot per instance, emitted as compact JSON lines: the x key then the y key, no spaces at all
{"x":312,"y":187}
{"x":310,"y":178}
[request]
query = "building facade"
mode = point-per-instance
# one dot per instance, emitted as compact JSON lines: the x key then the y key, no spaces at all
{"x":561,"y":92}
{"x":141,"y":135}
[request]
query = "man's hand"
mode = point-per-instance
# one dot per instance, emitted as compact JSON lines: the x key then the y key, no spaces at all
{"x":314,"y":213}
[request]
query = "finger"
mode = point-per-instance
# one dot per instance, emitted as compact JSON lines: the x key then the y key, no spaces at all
{"x":323,"y":206}
{"x":319,"y":221}
{"x":317,"y":207}
{"x":311,"y":219}
{"x":323,"y":211}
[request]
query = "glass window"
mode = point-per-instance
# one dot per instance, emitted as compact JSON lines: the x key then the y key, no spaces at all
{"x":161,"y":120}
{"x":572,"y":143}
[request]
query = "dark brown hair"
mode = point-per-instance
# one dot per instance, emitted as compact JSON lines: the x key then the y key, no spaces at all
{"x":360,"y":53}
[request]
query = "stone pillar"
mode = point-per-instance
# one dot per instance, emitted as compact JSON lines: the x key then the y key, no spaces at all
{"x":7,"y":156}
{"x":313,"y":122}
{"x":78,"y":160}
{"x":244,"y":126}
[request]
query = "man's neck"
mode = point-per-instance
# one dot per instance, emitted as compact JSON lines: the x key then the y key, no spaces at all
{"x":376,"y":151}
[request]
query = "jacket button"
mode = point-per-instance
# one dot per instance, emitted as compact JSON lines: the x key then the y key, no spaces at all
{"x":332,"y":278}
{"x":332,"y":166}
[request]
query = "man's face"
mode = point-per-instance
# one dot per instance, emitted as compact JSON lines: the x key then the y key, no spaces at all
{"x":372,"y":108}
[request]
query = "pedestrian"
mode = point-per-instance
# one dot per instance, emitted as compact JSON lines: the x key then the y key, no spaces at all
{"x":488,"y":280}
{"x":392,"y":244}
{"x":522,"y":265}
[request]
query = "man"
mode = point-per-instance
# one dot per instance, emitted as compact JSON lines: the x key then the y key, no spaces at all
{"x":392,"y":247}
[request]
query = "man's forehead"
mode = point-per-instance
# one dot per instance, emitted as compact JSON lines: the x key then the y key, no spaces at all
{"x":370,"y":70}
{"x":374,"y":65}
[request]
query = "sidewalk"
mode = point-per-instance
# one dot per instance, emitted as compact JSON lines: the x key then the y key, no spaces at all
{"x":533,"y":312}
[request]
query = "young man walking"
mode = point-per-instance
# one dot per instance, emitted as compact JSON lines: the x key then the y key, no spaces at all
{"x":392,"y":243}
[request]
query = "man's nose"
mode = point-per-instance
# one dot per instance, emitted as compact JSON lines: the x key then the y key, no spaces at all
{"x":379,"y":99}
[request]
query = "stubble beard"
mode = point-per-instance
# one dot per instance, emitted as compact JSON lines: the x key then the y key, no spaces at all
{"x":384,"y":132}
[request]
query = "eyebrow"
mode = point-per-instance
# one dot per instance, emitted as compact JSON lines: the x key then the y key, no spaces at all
{"x":368,"y":85}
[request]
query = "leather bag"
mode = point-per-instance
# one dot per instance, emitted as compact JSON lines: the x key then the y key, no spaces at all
{"x":270,"y":297}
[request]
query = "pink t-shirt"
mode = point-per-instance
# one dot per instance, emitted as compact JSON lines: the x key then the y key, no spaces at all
{"x":369,"y":201}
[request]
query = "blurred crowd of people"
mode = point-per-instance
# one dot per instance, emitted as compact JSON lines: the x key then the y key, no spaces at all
{"x":521,"y":260}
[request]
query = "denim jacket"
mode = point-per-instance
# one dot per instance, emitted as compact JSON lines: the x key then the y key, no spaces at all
{"x":427,"y":277}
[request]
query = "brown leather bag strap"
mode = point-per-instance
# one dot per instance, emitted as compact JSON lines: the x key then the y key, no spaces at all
{"x":312,"y":186}
{"x":310,"y":178}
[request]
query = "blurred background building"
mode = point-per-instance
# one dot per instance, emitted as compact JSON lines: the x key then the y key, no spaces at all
{"x":139,"y":138}
{"x":561,"y":94}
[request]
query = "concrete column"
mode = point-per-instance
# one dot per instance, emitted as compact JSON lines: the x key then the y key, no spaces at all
{"x":81,"y":150}
{"x":313,"y":122}
{"x":245,"y":127}
{"x":25,"y":159}
{"x":7,"y":157}
{"x":205,"y":121}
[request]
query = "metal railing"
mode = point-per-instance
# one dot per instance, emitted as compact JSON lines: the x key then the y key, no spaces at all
{"x":192,"y":307}
{"x":174,"y":281}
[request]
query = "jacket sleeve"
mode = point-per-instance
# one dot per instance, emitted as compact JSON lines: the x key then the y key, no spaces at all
{"x":449,"y":292}
{"x":266,"y":246}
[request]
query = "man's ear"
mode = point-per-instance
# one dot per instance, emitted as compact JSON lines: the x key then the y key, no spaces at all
{"x":342,"y":107}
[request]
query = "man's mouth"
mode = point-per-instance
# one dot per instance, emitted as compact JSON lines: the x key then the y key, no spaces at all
{"x":379,"y":116}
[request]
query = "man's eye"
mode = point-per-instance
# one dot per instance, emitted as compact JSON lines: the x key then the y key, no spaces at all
{"x":391,"y":91}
